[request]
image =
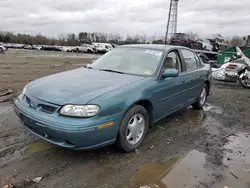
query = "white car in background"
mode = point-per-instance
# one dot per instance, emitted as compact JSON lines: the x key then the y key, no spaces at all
{"x":37,"y":47}
{"x":86,"y":48}
{"x":102,"y":47}
{"x":206,"y":45}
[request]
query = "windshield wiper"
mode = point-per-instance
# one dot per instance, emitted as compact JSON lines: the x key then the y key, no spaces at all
{"x":110,"y":70}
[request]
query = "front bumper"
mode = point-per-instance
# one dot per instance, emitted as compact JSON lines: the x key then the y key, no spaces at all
{"x":85,"y":135}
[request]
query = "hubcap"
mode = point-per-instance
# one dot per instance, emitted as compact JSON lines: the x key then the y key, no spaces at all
{"x":135,"y":129}
{"x":246,"y":81}
{"x":203,"y":96}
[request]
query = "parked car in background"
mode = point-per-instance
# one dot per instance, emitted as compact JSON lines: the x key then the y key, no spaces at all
{"x":67,"y":48}
{"x":116,"y":98}
{"x":36,"y":47}
{"x":27,"y":47}
{"x":86,"y":48}
{"x":182,"y":39}
{"x":102,"y":47}
{"x":206,"y":45}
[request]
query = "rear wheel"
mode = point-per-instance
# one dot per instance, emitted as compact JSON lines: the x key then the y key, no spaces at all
{"x":201,"y":100}
{"x":244,"y":82}
{"x":133,"y":128}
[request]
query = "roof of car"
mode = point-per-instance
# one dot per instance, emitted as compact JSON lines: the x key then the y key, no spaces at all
{"x":152,"y":46}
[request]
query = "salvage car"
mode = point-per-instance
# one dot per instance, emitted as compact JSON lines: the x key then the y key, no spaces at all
{"x":86,"y":48}
{"x":116,"y":98}
{"x":183,"y":39}
{"x":102,"y":47}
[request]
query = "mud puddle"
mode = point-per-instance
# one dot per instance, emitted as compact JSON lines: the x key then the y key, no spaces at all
{"x":38,"y":146}
{"x":212,"y":108}
{"x":193,"y":170}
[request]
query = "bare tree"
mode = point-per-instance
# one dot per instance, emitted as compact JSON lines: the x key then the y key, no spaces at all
{"x":236,"y":41}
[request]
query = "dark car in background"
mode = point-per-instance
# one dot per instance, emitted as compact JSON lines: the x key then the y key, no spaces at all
{"x":183,"y":39}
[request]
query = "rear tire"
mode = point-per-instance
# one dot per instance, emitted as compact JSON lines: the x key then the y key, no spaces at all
{"x":243,"y":84}
{"x":201,"y":100}
{"x":138,"y":132}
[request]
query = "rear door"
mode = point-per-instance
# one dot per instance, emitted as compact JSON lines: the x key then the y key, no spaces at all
{"x":193,"y":72}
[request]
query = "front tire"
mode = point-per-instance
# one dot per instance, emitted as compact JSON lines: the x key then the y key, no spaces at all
{"x":201,"y":100}
{"x":133,"y":128}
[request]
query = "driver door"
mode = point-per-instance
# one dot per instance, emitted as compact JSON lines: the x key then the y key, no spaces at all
{"x":170,"y":93}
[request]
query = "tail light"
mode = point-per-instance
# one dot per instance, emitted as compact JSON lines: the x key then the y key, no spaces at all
{"x":231,"y":66}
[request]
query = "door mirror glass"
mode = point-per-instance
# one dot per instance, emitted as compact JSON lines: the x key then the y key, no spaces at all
{"x":170,"y":73}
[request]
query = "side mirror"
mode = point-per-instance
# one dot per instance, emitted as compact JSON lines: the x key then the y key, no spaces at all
{"x":170,"y":73}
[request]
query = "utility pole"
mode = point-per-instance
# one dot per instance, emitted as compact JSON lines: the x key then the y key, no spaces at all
{"x":172,"y":20}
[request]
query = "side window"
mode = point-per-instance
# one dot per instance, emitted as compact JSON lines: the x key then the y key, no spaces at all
{"x":172,"y":61}
{"x":190,"y":59}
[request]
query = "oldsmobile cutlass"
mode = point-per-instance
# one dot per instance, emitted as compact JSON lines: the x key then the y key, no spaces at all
{"x":116,"y":98}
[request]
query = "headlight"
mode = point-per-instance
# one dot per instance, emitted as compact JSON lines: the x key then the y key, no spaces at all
{"x":80,"y":110}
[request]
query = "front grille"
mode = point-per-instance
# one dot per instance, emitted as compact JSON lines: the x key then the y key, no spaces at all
{"x":39,"y":105}
{"x":47,"y":108}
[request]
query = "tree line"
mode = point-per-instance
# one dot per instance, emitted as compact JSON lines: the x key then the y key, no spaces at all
{"x":73,"y":39}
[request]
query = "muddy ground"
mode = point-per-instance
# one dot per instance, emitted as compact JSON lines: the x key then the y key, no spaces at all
{"x":207,"y":148}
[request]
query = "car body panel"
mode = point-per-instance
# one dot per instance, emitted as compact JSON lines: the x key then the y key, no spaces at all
{"x":78,"y":86}
{"x":114,"y":93}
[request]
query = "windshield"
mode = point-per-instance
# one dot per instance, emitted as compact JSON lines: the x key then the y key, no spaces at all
{"x":130,"y":60}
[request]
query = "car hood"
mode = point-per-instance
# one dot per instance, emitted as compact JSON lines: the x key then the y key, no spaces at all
{"x":78,"y":86}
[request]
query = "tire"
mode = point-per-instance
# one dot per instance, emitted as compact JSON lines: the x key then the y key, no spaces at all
{"x":198,"y":105}
{"x":244,"y":85}
{"x":137,"y":112}
{"x":89,"y":51}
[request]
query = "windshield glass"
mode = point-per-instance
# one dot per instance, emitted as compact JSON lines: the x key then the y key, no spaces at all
{"x":136,"y":61}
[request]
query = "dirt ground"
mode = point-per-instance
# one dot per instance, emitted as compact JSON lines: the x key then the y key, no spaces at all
{"x":203,"y":149}
{"x":18,"y":67}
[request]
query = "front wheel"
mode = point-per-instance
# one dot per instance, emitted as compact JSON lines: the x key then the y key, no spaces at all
{"x":133,"y":128}
{"x":201,"y":100}
{"x":244,"y":81}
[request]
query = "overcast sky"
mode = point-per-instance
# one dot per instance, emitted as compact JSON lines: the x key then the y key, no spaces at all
{"x":54,"y":17}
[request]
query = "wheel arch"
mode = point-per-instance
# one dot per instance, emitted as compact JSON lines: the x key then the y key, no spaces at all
{"x":147,"y":104}
{"x":208,"y":86}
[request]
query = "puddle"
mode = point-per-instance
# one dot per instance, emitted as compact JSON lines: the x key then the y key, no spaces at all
{"x":212,"y":108}
{"x":237,"y":160}
{"x":194,"y":170}
{"x":177,"y":172}
{"x":38,"y":146}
